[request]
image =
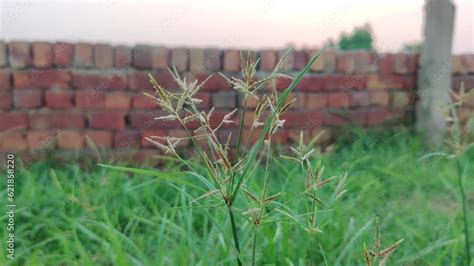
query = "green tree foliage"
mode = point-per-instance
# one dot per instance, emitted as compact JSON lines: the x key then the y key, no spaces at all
{"x":360,"y":39}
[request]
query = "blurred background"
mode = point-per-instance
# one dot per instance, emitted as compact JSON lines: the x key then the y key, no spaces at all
{"x":393,"y":25}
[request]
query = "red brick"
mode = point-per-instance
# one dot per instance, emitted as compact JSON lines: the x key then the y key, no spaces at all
{"x":146,"y":120}
{"x":205,"y":98}
{"x":42,"y":54}
{"x":12,"y":142}
{"x":160,"y":57}
{"x":345,"y":83}
{"x":117,"y":101}
{"x":315,"y":101}
{"x":3,"y":54}
{"x":101,"y":139}
{"x":303,"y":120}
{"x":315,"y":83}
{"x":400,"y":63}
{"x":400,"y":99}
{"x":469,"y":62}
{"x":363,"y":62}
{"x":107,"y":120}
{"x":251,"y":136}
{"x":149,"y":134}
{"x":13,"y":120}
{"x":249,"y":118}
{"x":179,"y":59}
{"x":345,"y":62}
{"x":127,"y":139}
{"x":145,"y":156}
{"x":140,"y":80}
{"x":39,"y":120}
{"x":383,"y":116}
{"x":70,"y":140}
{"x":196,"y":60}
{"x":458,"y":64}
{"x":360,"y":98}
{"x":458,"y":80}
{"x":214,"y":82}
{"x":59,"y":99}
{"x":141,"y":101}
{"x":20,"y":54}
{"x":330,"y":61}
{"x":146,"y":57}
{"x":300,"y":59}
{"x":63,"y":54}
{"x":68,"y":120}
{"x":345,"y":117}
{"x":84,"y":55}
{"x":98,"y":80}
{"x":122,"y":56}
{"x":268,"y":60}
{"x":5,"y":79}
{"x":232,"y":61}
{"x":224,"y":99}
{"x":380,"y":98}
{"x":5,"y":99}
{"x":89,"y":99}
{"x":413,"y":63}
{"x":212,"y":59}
{"x":103,"y":56}
{"x":375,"y":82}
{"x":338,"y":99}
{"x":386,"y":63}
{"x":142,"y":57}
{"x":50,"y":78}
{"x":39,"y":140}
{"x":28,"y":98}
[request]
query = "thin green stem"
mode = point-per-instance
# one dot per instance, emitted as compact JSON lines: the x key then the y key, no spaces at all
{"x":239,"y":141}
{"x":241,"y":128}
{"x":464,"y":210}
{"x":254,"y":248}
{"x":234,"y":233}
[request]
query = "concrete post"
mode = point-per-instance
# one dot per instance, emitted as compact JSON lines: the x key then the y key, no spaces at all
{"x":434,"y":74}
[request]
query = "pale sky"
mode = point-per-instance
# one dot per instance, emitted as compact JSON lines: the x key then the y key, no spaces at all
{"x":222,"y":23}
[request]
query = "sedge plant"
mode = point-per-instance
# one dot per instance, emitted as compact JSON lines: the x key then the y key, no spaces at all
{"x":228,"y":169}
{"x":373,"y":255}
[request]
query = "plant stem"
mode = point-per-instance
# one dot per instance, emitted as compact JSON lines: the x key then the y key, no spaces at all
{"x":464,"y":211}
{"x":254,"y":244}
{"x":242,"y":121}
{"x":234,"y":233}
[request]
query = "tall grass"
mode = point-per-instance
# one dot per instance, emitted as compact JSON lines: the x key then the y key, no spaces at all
{"x":70,"y":214}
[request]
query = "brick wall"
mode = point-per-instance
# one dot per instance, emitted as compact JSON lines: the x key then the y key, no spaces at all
{"x":53,"y":95}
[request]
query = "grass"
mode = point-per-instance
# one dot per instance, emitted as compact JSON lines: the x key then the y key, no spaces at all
{"x":86,"y":215}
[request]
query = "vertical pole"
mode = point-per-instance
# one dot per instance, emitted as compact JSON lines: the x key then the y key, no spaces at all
{"x":434,"y":74}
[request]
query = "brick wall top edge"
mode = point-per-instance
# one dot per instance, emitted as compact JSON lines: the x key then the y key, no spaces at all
{"x":195,"y":47}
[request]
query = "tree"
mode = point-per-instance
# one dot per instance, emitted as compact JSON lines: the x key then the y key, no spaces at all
{"x":359,"y":39}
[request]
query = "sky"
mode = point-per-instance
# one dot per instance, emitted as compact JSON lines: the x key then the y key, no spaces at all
{"x":221,"y":23}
